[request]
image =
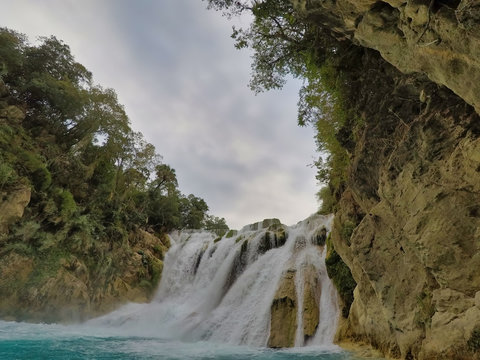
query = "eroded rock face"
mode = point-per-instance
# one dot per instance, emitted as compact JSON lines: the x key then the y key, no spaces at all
{"x":285,"y":312}
{"x":413,"y":195}
{"x":438,"y":38}
{"x":64,"y":290}
{"x":13,"y":206}
{"x":283,"y":324}
{"x":311,"y":302}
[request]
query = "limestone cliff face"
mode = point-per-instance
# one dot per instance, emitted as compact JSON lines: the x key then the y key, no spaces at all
{"x":438,"y":38}
{"x":413,"y":192}
{"x":415,"y":251}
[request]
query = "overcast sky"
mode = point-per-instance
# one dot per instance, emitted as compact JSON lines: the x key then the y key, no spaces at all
{"x":184,"y":86}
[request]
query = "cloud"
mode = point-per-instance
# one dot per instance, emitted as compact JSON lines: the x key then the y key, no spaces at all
{"x":184,"y":87}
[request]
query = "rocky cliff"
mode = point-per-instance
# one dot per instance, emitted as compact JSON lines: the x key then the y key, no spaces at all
{"x":408,"y":219}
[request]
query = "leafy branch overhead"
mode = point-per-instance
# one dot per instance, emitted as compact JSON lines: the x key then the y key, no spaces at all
{"x":286,"y":45}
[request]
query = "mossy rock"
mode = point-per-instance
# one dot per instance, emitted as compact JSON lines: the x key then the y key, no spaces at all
{"x":231,"y":233}
{"x":238,"y":239}
{"x":342,"y":278}
{"x":155,"y":268}
{"x":320,"y":237}
{"x":266,"y":223}
{"x":474,"y":342}
{"x":347,"y":231}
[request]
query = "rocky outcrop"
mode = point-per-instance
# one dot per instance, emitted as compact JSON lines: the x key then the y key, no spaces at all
{"x":61,"y":288}
{"x":407,"y":222}
{"x":311,"y":302}
{"x":13,"y":206}
{"x":438,"y":38}
{"x":296,"y":304}
{"x":283,"y":323}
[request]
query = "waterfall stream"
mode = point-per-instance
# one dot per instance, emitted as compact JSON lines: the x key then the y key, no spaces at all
{"x":240,"y":288}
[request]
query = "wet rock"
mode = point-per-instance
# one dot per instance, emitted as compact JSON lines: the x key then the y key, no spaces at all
{"x":311,"y":302}
{"x":283,"y":322}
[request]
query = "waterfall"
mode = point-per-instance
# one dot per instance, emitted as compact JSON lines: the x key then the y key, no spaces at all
{"x":265,"y":285}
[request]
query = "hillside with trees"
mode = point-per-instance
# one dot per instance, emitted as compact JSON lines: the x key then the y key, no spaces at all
{"x":85,"y":200}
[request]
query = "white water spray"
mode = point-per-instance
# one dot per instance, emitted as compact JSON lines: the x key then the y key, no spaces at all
{"x":222,"y":290}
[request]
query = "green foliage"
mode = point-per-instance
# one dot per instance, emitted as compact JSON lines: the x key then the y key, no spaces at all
{"x":322,"y":103}
{"x":193,"y":212}
{"x":341,"y":277}
{"x":19,"y":248}
{"x":328,"y":200}
{"x":26,"y":231}
{"x":36,"y":169}
{"x":230,"y":234}
{"x":66,"y":204}
{"x":155,"y":268}
{"x":216,"y":224}
{"x":7,"y":175}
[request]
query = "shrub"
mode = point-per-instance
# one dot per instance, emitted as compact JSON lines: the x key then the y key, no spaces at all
{"x":328,"y":200}
{"x":67,"y":204}
{"x":7,"y":175}
{"x":35,"y":167}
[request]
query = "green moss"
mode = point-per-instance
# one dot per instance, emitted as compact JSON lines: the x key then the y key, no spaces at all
{"x":347,"y":231}
{"x":265,"y":243}
{"x":155,"y":267}
{"x":231,"y":233}
{"x":423,"y":317}
{"x":145,"y":284}
{"x":46,"y":266}
{"x":474,"y":342}
{"x":341,"y":277}
{"x":280,"y":237}
{"x":238,"y":239}
{"x":244,"y":247}
{"x":267,"y":223}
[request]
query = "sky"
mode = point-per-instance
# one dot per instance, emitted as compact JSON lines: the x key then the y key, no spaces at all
{"x":185,"y":87}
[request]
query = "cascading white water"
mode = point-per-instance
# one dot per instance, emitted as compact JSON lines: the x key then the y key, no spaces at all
{"x":223,"y":290}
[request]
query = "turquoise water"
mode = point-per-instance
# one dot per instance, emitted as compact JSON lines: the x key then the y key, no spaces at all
{"x":39,"y":341}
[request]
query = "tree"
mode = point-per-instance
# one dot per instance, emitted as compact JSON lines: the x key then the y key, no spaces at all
{"x":280,"y":40}
{"x":193,"y":210}
{"x":214,"y":223}
{"x":166,"y":179}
